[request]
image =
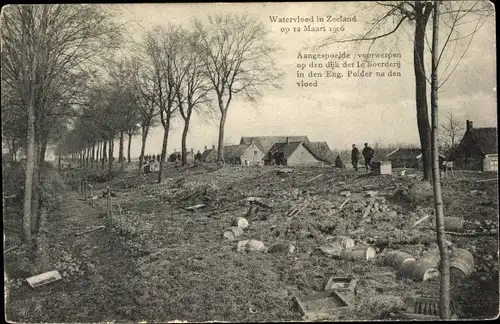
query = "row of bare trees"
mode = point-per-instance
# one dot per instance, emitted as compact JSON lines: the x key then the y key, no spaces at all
{"x":70,"y":80}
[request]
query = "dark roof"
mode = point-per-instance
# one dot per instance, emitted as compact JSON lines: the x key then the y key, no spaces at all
{"x":234,"y":151}
{"x":405,"y":154}
{"x":286,"y":148}
{"x":206,"y":154}
{"x":321,"y":151}
{"x":264,"y":143}
{"x":486,"y":139}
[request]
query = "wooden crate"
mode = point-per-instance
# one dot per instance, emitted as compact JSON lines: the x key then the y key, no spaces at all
{"x":322,"y":305}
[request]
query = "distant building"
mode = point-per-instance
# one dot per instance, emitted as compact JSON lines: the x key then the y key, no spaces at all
{"x":322,"y":151}
{"x":238,"y":154}
{"x":295,"y":154}
{"x":408,"y":158}
{"x":264,"y":143}
{"x":478,"y":149}
{"x":209,"y":155}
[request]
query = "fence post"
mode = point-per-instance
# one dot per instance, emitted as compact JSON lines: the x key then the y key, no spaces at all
{"x":85,"y":189}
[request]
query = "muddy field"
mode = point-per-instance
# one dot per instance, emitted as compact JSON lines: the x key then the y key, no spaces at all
{"x":156,"y":260}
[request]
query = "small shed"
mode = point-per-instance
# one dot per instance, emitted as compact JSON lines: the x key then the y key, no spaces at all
{"x":405,"y":158}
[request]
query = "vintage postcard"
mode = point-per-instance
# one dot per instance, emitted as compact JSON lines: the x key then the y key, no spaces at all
{"x":250,"y":162}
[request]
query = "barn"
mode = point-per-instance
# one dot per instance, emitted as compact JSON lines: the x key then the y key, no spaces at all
{"x":295,"y":154}
{"x":478,"y":149}
{"x":322,"y":151}
{"x":264,"y":143}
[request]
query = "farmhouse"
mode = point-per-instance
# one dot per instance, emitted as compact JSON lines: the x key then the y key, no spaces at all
{"x":209,"y":155}
{"x":405,"y":158}
{"x":322,"y":151}
{"x":238,"y":154}
{"x":478,"y":149}
{"x":264,"y":143}
{"x":295,"y":153}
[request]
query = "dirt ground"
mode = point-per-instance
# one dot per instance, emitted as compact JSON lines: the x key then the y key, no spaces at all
{"x":157,"y":261}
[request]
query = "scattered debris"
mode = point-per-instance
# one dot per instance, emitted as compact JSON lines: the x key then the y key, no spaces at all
{"x":412,"y":176}
{"x":418,"y":270}
{"x":367,"y":211}
{"x":344,"y":241}
{"x":233,"y":233}
{"x":298,"y":209}
{"x":12,"y":249}
{"x":493,"y":233}
{"x":281,"y":248}
{"x":426,"y":308}
{"x":453,"y":223}
{"x":89,"y":230}
{"x":421,"y":220}
{"x":285,"y":171}
{"x":331,"y":249}
{"x":316,"y":177}
{"x":251,"y":245}
{"x":487,"y":180}
{"x":371,"y":194}
{"x":345,"y":193}
{"x":258,"y":201}
{"x":396,"y":259}
{"x":345,"y":284}
{"x":44,"y":278}
{"x":195,"y":207}
{"x":322,"y":305}
{"x":240,"y":222}
{"x":462,"y":260}
{"x":358,"y":253}
{"x":369,"y":187}
{"x":402,"y":172}
{"x":345,"y":202}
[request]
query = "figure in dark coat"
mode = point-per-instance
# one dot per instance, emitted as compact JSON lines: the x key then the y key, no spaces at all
{"x":197,"y":157}
{"x":368,"y":156}
{"x":355,"y":157}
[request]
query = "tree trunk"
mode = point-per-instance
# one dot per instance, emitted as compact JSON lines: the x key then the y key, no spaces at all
{"x":166,"y":130}
{"x":122,"y":159}
{"x":98,"y":154}
{"x":438,"y":199}
{"x":144,"y":134}
{"x":35,"y":197}
{"x":129,"y":146}
{"x":110,"y":156}
{"x":30,"y":165}
{"x":422,"y":13}
{"x":104,"y":143}
{"x":184,"y":136}
{"x":220,"y":147}
{"x":59,"y":162}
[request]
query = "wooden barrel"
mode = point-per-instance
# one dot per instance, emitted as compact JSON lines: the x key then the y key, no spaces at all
{"x":331,"y":249}
{"x":453,"y":223}
{"x":418,"y":270}
{"x":358,"y":253}
{"x":344,"y":241}
{"x":396,"y":259}
{"x":462,"y":260}
{"x":432,"y":256}
{"x":240,"y":222}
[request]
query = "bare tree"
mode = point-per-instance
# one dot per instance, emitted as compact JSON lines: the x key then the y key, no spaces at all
{"x":238,"y":61}
{"x":451,"y":129}
{"x":390,"y":18}
{"x":194,"y":88}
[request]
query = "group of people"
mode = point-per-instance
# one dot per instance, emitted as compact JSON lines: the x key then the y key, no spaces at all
{"x":277,"y":158}
{"x":151,"y":158}
{"x":367,"y":152}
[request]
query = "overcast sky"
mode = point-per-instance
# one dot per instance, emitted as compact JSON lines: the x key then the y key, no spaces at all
{"x":338,"y":111}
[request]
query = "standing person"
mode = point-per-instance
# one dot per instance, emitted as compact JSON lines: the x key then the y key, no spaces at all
{"x":355,"y":157}
{"x":197,"y":157}
{"x":368,"y":156}
{"x":158,"y":157}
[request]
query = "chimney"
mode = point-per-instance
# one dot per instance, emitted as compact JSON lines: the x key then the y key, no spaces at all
{"x":468,"y":125}
{"x":205,"y":147}
{"x":251,"y":141}
{"x":287,"y":140}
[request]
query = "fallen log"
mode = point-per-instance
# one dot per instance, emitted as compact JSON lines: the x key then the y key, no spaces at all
{"x":487,"y":180}
{"x":421,"y":220}
{"x":472,"y":234}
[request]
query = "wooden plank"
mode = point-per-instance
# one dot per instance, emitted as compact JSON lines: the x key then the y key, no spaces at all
{"x":367,"y":211}
{"x":316,"y":177}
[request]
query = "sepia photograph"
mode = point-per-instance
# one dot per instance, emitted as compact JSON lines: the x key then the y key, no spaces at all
{"x":249,"y":162}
